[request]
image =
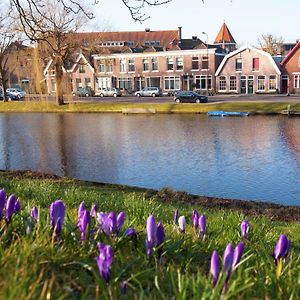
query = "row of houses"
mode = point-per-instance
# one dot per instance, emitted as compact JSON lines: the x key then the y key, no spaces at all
{"x":133,"y":60}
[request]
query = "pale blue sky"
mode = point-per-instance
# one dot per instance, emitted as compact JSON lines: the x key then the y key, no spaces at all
{"x":247,"y":19}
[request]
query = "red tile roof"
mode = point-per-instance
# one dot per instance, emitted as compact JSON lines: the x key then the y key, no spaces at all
{"x":224,"y":36}
{"x":164,"y":36}
{"x":290,"y":54}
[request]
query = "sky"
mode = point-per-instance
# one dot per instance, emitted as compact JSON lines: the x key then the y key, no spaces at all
{"x":247,"y":20}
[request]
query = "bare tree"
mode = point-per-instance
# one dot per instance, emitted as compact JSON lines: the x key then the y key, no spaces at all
{"x":271,"y":44}
{"x":7,"y":36}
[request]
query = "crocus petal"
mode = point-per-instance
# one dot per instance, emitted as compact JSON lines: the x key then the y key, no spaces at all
{"x":214,"y":267}
{"x":228,"y":257}
{"x":202,"y":224}
{"x":94,"y":210}
{"x":195,"y":217}
{"x":150,"y":234}
{"x":113,"y":221}
{"x":245,"y":228}
{"x":120,"y":219}
{"x":176,"y":216}
{"x":81,"y":210}
{"x":84,"y":222}
{"x":34,"y":213}
{"x":282,"y":247}
{"x":238,"y":252}
{"x":160,"y":234}
{"x":17,"y":207}
{"x":130,"y":232}
{"x":2,"y":202}
{"x":182,"y":223}
{"x":57,"y":215}
{"x":10,"y":207}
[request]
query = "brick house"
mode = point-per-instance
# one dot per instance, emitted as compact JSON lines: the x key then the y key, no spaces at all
{"x":248,"y":70}
{"x":290,"y":79}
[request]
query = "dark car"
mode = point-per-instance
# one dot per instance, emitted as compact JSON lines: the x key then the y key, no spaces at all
{"x":190,"y":97}
{"x":84,"y":92}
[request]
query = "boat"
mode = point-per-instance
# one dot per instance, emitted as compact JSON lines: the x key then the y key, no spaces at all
{"x":221,"y":113}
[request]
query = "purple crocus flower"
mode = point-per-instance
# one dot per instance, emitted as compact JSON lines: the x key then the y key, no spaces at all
{"x":182,"y":224}
{"x":202,"y":225}
{"x":10,"y":208}
{"x":2,"y":202}
{"x":150,"y":234}
{"x":57,"y":215}
{"x":94,"y":210}
{"x":113,"y":221}
{"x":81,"y":210}
{"x":34,"y":213}
{"x":238,"y":252}
{"x":130,"y":232}
{"x":104,"y":261}
{"x":104,"y":222}
{"x":120,"y":219}
{"x":176,"y":216}
{"x":214,"y":267}
{"x":160,"y":238}
{"x":85,"y":220}
{"x":245,"y":229}
{"x":228,"y":258}
{"x":17,"y":207}
{"x":195,"y":217}
{"x":282,"y":247}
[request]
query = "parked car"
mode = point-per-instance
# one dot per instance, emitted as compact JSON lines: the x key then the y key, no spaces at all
{"x":149,"y":91}
{"x":84,"y":92}
{"x":190,"y":97}
{"x":15,"y":94}
{"x":110,"y":92}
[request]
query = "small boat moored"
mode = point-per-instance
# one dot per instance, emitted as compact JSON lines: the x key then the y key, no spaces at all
{"x":221,"y":113}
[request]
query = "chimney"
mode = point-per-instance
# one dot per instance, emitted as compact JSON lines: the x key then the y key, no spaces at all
{"x":180,"y":32}
{"x":147,"y":29}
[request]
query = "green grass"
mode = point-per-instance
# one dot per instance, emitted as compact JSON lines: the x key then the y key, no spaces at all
{"x":44,"y":106}
{"x":36,"y":267}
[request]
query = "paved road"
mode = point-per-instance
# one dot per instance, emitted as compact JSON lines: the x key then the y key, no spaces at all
{"x":168,"y":99}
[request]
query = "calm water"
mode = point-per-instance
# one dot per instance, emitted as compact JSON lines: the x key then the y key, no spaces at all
{"x":254,"y":158}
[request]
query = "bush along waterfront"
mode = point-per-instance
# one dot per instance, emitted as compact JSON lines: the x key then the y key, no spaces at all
{"x":109,"y":243}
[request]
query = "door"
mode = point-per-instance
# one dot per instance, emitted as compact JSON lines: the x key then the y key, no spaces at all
{"x":243,"y":85}
{"x":250,"y":84}
{"x":284,"y":84}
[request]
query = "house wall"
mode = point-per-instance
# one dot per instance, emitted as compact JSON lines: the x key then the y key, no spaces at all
{"x":292,"y":69}
{"x":247,"y":74}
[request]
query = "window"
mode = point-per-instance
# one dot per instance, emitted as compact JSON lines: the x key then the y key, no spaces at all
{"x":131,"y":65}
{"x":125,"y":83}
{"x":261,"y":83}
{"x":145,"y":64}
{"x":88,"y":81}
{"x":255,"y":64}
{"x":104,"y":82}
{"x":195,"y":63}
{"x":170,"y":63}
{"x":122,"y":65}
{"x":232,"y":83}
{"x":101,"y":67}
{"x":172,"y":83}
{"x":205,"y":63}
{"x":154,"y":64}
{"x":81,"y":68}
{"x":78,"y":82}
{"x":200,"y":82}
{"x":272,"y":82}
{"x":296,"y":81}
{"x":179,"y":63}
{"x":109,"y":67}
{"x":222,"y":83}
{"x":238,"y":64}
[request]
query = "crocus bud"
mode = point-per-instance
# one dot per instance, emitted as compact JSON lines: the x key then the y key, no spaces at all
{"x":245,"y":229}
{"x":104,"y":261}
{"x":17,"y":207}
{"x":81,"y":210}
{"x":238,"y":252}
{"x":2,"y":202}
{"x":10,"y":208}
{"x":282,"y":247}
{"x":94,"y":210}
{"x":113,"y":221}
{"x":120,"y":219}
{"x":182,"y":224}
{"x":160,"y":238}
{"x":84,"y":222}
{"x":195,"y":217}
{"x":34,"y":213}
{"x":202,"y":225}
{"x":176,"y":216}
{"x":214,"y":267}
{"x":228,"y":258}
{"x":150,"y":234}
{"x":130,"y":232}
{"x":57,"y":216}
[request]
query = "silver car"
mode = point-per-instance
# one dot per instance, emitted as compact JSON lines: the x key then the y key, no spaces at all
{"x":110,"y":92}
{"x":149,"y":91}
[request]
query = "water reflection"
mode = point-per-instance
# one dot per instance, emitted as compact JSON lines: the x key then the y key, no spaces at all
{"x":255,"y":158}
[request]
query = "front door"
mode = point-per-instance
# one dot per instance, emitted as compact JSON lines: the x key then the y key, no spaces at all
{"x":284,"y":84}
{"x":243,"y":85}
{"x":250,"y":84}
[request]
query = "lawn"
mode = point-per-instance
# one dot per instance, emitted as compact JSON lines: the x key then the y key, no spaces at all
{"x":37,"y":264}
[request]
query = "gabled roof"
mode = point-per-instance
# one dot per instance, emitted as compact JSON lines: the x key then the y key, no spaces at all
{"x":79,"y":58}
{"x":268,"y":55}
{"x":290,"y":54}
{"x":224,"y":36}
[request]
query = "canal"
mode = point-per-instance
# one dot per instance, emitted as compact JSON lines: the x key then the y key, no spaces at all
{"x":250,"y":158}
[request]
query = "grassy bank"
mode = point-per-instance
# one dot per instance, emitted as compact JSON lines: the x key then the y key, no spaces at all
{"x":35,"y":266}
{"x":252,"y":107}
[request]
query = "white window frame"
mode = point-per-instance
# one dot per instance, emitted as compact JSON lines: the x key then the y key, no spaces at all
{"x":172,"y":79}
{"x":122,"y":65}
{"x":179,"y":63}
{"x":232,"y":83}
{"x":258,"y":83}
{"x":275,"y":86}
{"x":296,"y":81}
{"x":222,"y":86}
